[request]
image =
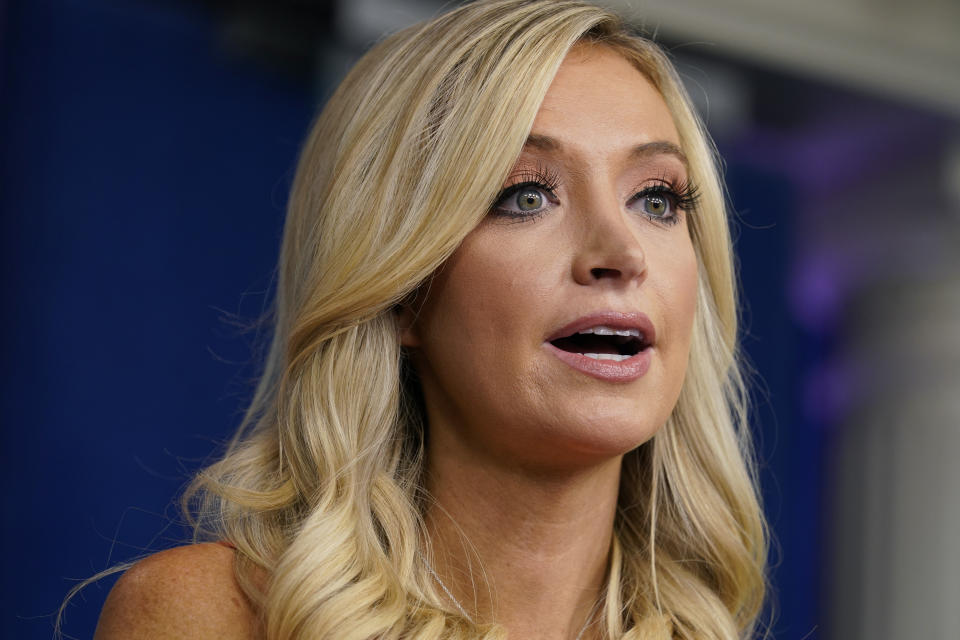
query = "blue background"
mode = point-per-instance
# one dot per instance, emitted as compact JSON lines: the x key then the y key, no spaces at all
{"x":144,"y":178}
{"x":142,"y":187}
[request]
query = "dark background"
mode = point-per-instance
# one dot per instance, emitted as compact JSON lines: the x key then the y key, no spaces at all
{"x":147,"y":150}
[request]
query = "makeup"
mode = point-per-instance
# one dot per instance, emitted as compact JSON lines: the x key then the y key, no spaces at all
{"x":608,"y":345}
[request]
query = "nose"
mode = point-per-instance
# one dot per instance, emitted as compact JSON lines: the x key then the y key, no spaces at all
{"x":610,"y":250}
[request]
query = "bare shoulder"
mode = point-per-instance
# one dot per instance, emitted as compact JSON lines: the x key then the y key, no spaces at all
{"x":186,"y":592}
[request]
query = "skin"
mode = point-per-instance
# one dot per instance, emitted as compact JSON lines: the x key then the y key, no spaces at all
{"x":187,"y":592}
{"x":520,"y":441}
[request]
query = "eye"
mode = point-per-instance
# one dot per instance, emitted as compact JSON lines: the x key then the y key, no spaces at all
{"x":529,"y":200}
{"x":657,"y":205}
{"x":532,"y":193}
{"x":525,"y":200}
{"x":664,"y":201}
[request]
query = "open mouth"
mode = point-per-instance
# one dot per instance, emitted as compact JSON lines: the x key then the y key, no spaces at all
{"x":603,"y":343}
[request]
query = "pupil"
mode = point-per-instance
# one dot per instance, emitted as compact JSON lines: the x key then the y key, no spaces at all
{"x":529,"y":200}
{"x":656,"y":205}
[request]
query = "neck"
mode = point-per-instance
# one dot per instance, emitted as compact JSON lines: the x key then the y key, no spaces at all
{"x":526,"y":550}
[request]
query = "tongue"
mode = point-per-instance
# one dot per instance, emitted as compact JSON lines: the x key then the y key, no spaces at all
{"x":586,"y":343}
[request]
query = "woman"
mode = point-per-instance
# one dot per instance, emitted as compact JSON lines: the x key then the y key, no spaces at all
{"x":502,"y":396}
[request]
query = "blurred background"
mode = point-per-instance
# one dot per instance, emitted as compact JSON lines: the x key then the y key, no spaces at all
{"x":147,"y":149}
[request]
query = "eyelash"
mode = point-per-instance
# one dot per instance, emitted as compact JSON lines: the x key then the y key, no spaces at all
{"x":681,"y":196}
{"x":540,"y":178}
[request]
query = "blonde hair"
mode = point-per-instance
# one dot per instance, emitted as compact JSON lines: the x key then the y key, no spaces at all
{"x":320,"y":487}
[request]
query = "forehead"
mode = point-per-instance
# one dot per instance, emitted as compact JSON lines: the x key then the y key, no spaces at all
{"x":600,"y":100}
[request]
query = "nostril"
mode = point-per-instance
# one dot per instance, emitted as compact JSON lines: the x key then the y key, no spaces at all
{"x":599,"y":273}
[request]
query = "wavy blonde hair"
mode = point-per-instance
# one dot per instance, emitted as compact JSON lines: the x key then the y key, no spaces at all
{"x":320,"y":487}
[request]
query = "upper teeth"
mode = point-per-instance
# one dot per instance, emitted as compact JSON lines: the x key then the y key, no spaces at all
{"x":607,"y":331}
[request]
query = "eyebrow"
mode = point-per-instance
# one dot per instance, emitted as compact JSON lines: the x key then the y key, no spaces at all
{"x":645,"y":150}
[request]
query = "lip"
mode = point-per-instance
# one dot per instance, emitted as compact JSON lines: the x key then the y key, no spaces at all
{"x":624,"y":371}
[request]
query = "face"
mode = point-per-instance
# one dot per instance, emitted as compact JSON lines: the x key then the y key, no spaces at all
{"x":558,"y":332}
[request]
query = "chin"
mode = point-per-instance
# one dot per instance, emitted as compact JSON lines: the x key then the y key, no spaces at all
{"x":608,"y":435}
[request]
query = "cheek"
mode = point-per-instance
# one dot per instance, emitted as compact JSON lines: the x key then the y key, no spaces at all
{"x":689,"y":287}
{"x":679,"y":299}
{"x":480,"y":299}
{"x":496,"y":277}
{"x":480,"y":329}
